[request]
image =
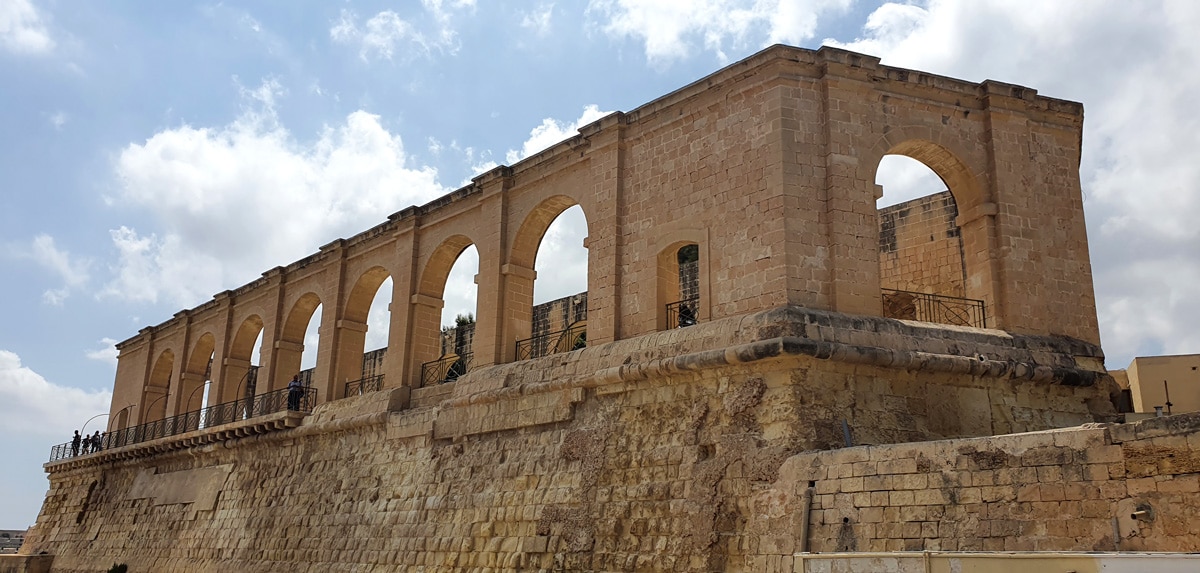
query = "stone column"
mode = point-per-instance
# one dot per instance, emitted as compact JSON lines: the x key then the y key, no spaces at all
{"x":397,"y":360}
{"x":489,"y":346}
{"x":269,"y":353}
{"x":606,"y":155}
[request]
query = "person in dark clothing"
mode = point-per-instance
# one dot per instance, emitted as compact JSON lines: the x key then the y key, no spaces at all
{"x":295,"y":390}
{"x":96,"y":441}
{"x":75,"y":444}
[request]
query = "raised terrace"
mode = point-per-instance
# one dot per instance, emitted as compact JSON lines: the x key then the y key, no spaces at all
{"x":747,"y":307}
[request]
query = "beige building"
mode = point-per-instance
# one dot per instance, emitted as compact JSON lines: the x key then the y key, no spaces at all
{"x":1153,"y":381}
{"x":763,"y":364}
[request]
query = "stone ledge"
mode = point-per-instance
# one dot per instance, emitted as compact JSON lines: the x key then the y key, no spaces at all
{"x":242,"y":429}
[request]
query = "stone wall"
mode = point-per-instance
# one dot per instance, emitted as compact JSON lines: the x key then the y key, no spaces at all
{"x":1118,"y":487}
{"x":647,"y":454}
{"x":920,"y":246}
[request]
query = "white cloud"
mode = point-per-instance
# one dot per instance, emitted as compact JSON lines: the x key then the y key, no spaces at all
{"x":552,"y":131}
{"x":386,"y":35}
{"x":229,"y":202}
{"x":73,"y":271}
{"x":58,"y":119}
{"x":669,"y":29}
{"x":31,"y":406}
{"x":1140,"y":179}
{"x":22,"y":29}
{"x":107,"y":352}
{"x":538,"y":19}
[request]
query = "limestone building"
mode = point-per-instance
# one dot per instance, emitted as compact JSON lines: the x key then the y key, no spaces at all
{"x":1168,"y":383}
{"x":762,"y":363}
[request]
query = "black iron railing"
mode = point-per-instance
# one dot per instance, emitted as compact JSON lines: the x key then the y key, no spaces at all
{"x":683,"y":313}
{"x":934,"y":308}
{"x":209,"y":417}
{"x":364,"y":385}
{"x":447,"y":369}
{"x":573,"y":338}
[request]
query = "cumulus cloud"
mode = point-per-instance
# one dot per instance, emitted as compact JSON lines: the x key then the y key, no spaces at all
{"x":386,"y":35}
{"x":670,"y":30}
{"x":232,"y":201}
{"x":538,"y":19}
{"x":552,"y":131}
{"x":72,"y":271}
{"x":32,"y":406}
{"x":22,"y":29}
{"x":1140,"y":180}
{"x":106,"y":353}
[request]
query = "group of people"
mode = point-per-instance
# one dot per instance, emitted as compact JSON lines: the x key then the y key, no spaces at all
{"x":86,"y":443}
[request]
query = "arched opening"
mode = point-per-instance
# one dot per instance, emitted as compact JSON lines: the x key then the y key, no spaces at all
{"x":240,"y":378}
{"x":444,"y":316}
{"x":194,"y":382}
{"x":679,"y":285}
{"x":364,"y":326}
{"x":296,"y":349}
{"x":922,"y":268}
{"x":154,"y":395}
{"x":552,"y":241}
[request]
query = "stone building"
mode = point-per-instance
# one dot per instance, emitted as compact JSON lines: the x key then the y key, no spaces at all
{"x":1168,"y":383}
{"x":763,"y":363}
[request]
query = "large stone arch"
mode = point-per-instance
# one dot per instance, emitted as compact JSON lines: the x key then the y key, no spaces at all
{"x":425,"y":337}
{"x":528,"y":238}
{"x":966,"y":177}
{"x":195,"y":369}
{"x":235,"y":382}
{"x":289,"y":347}
{"x":519,"y":273}
{"x":352,"y":328}
{"x":154,"y":394}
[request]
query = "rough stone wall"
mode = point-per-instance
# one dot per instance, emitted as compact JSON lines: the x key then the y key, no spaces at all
{"x":920,"y":246}
{"x":1076,"y":489}
{"x":640,"y":455}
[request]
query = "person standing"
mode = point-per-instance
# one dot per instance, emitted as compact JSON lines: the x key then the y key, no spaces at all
{"x":75,"y":444}
{"x":96,"y":441}
{"x":295,"y":390}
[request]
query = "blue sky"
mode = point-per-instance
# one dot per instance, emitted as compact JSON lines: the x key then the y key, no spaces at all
{"x":153,"y":154}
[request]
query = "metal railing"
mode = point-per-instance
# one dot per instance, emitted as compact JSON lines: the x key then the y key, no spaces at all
{"x":364,"y":385}
{"x":447,"y":369}
{"x":572,"y":338}
{"x":217,"y":415}
{"x":683,"y":313}
{"x":934,"y":308}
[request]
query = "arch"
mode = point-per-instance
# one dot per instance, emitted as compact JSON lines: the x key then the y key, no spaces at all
{"x":668,"y":288}
{"x":520,"y":315}
{"x":528,"y":239}
{"x":441,"y":261}
{"x":969,"y":197}
{"x":296,"y":323}
{"x":945,"y":156}
{"x":154,"y":394}
{"x":358,"y":302}
{"x":288,"y":353}
{"x":238,"y":373}
{"x":427,"y":346}
{"x":242,"y":347}
{"x":195,"y":373}
{"x":353,"y":363}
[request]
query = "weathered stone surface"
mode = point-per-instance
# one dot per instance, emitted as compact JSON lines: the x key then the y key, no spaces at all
{"x":683,"y":456}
